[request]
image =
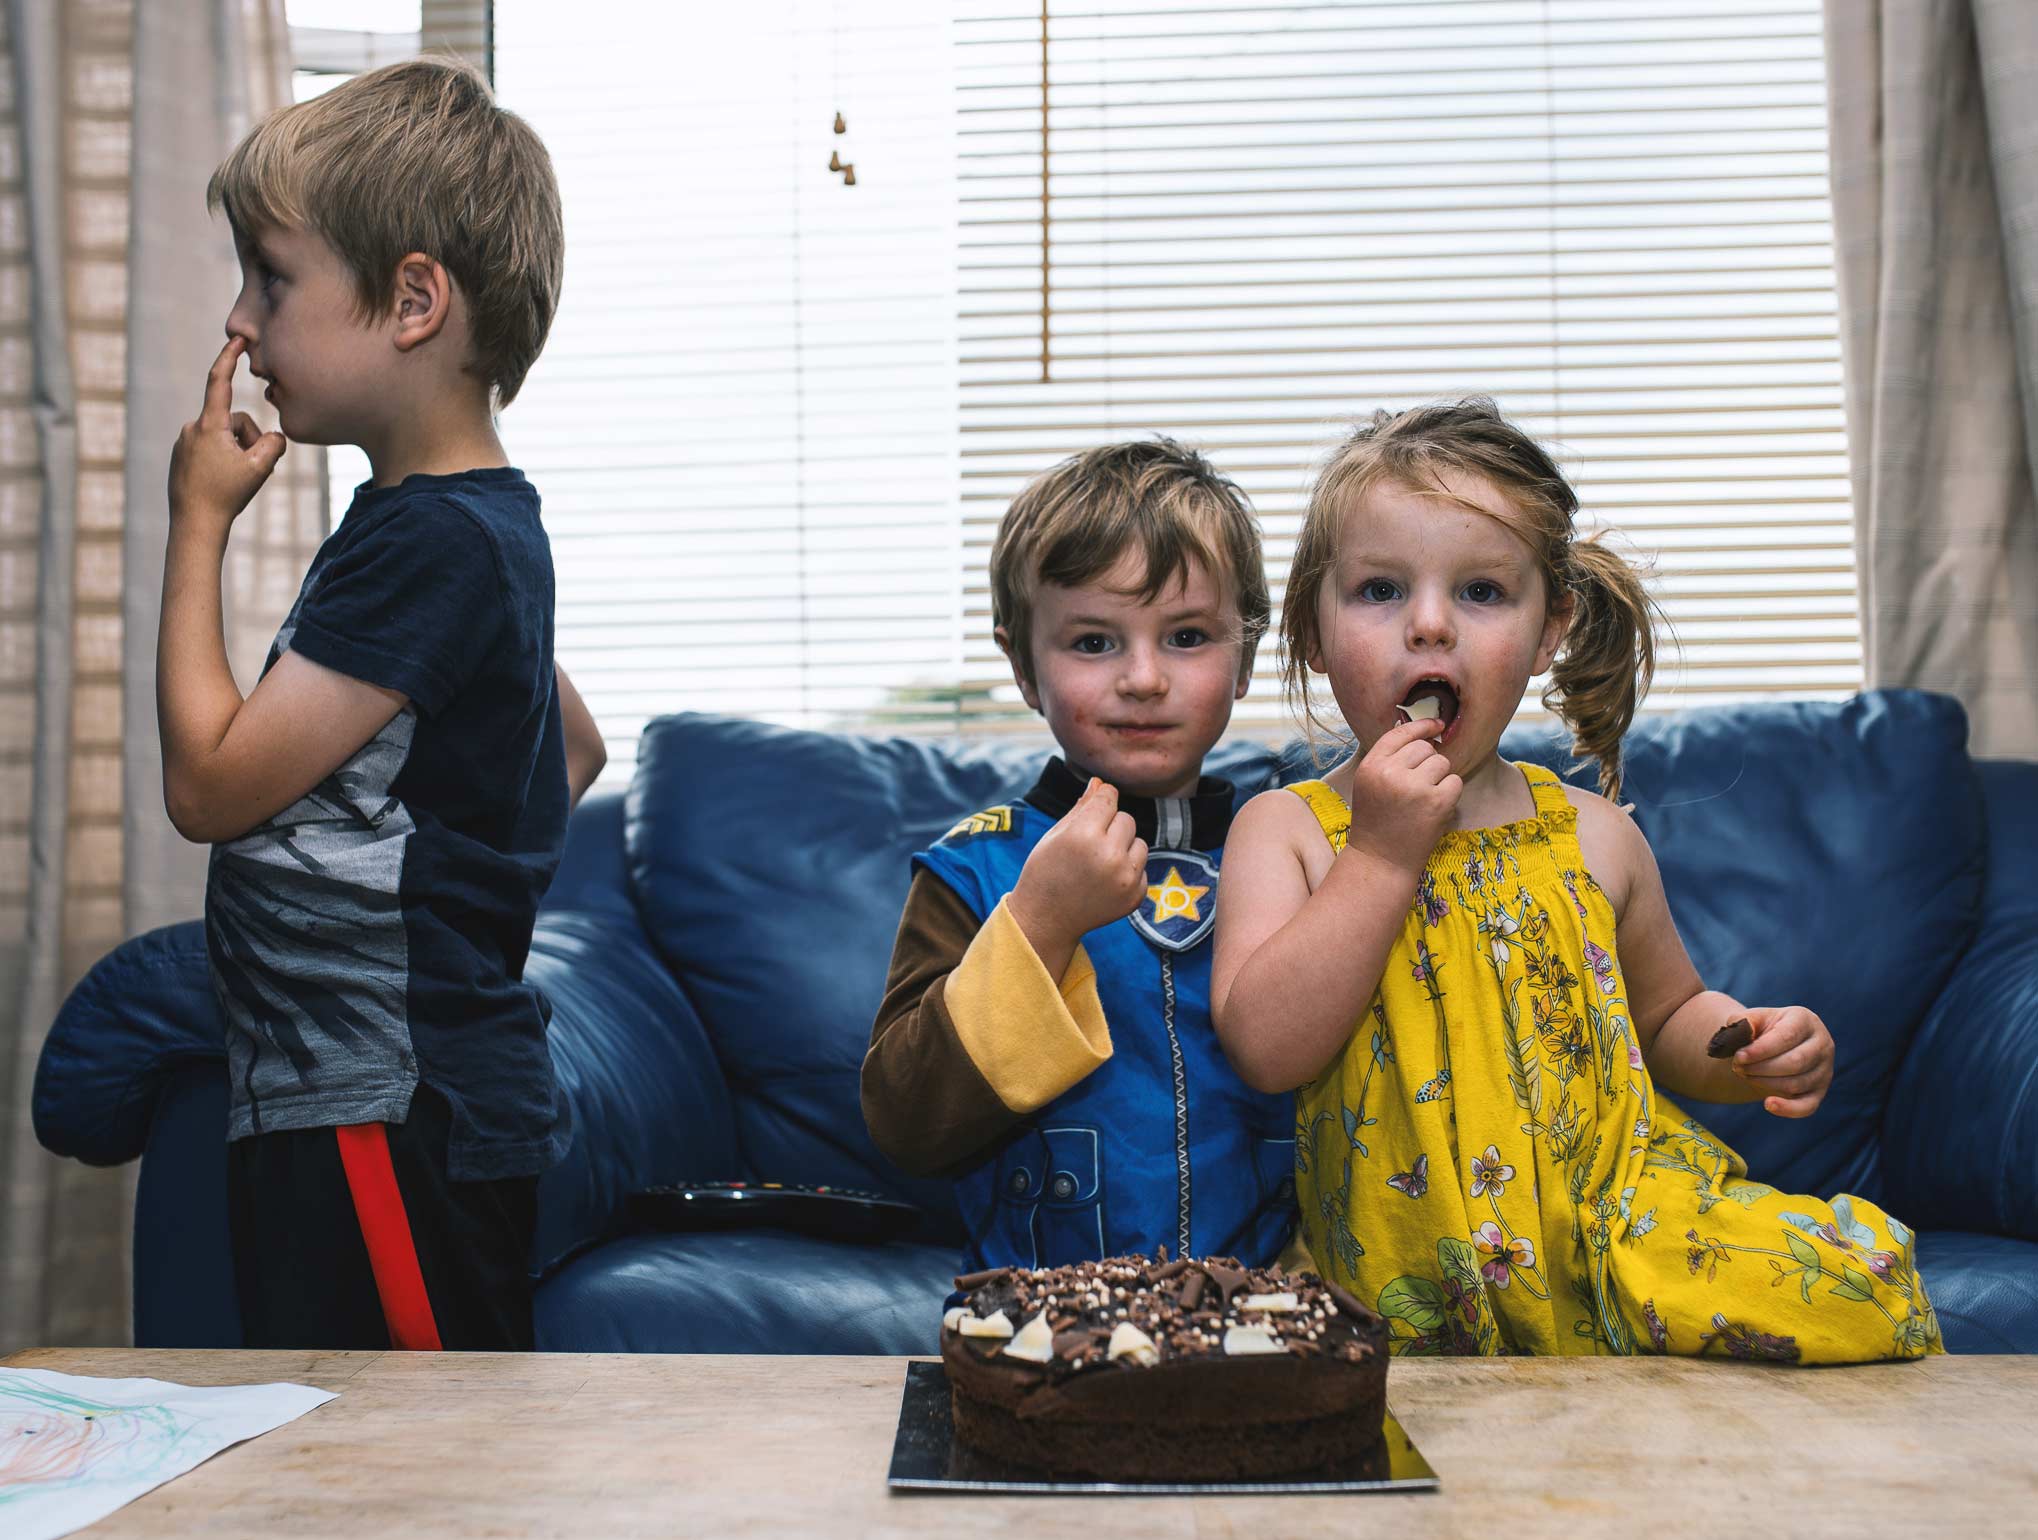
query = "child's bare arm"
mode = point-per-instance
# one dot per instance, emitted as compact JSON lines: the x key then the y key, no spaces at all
{"x":230,"y":763}
{"x":585,"y":751}
{"x":1294,"y":968}
{"x":1788,"y":1066}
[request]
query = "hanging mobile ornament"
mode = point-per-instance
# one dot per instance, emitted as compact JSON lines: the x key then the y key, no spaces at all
{"x":845,"y":168}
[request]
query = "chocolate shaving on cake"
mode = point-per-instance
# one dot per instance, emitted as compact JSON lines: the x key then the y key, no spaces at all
{"x":1079,"y":1344}
{"x":1227,"y":1275}
{"x":971,"y":1281}
{"x":1192,"y":1290}
{"x":1351,"y":1304}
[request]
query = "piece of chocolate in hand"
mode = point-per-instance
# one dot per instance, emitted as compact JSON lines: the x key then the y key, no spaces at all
{"x":1731,"y":1039}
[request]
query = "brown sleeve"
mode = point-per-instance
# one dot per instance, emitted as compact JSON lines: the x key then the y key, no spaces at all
{"x":972,"y":1036}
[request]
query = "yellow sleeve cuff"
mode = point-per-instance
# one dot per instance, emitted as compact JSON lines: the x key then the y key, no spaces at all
{"x":1029,"y":1038}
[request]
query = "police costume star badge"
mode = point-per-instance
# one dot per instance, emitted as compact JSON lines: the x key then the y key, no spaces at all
{"x":1180,"y":904}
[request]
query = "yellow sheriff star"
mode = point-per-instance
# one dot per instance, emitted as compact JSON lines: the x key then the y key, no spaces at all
{"x":1175,"y":899}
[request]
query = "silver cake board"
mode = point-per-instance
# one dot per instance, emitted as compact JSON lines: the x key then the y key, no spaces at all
{"x":926,"y":1458}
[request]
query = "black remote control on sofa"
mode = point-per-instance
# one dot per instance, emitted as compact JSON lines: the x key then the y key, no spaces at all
{"x":835,"y":1213}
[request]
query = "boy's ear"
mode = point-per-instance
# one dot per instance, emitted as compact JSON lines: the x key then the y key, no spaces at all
{"x":423,"y":299}
{"x":1026,"y":690}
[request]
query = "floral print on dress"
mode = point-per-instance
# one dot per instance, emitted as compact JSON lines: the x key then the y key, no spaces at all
{"x":1490,"y":1162}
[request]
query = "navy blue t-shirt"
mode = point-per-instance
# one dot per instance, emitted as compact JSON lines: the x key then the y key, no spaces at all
{"x":373,"y":934}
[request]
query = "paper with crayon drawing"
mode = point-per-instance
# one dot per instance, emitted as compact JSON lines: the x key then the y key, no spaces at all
{"x":74,"y":1449}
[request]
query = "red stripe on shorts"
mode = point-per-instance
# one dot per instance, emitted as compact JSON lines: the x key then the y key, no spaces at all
{"x":364,"y":1151}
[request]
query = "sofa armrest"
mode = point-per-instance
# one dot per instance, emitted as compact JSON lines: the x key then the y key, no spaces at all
{"x":145,"y":1011}
{"x":1960,"y":1133}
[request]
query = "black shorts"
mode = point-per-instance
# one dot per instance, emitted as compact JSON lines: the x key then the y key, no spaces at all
{"x":357,"y":1238}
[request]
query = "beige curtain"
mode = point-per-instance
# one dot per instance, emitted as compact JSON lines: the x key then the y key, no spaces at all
{"x":1934,"y":108}
{"x":114,"y":285}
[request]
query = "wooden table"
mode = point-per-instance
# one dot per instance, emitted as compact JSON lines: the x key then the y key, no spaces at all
{"x":599,"y":1445}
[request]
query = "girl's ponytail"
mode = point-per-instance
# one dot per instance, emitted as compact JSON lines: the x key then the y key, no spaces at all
{"x":1608,"y":657}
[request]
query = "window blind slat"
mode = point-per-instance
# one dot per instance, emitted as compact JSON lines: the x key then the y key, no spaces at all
{"x":744,"y":424}
{"x":779,"y":418}
{"x":1264,"y":221}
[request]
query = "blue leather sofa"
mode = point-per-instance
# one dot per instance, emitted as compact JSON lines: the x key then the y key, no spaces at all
{"x":716,"y":942}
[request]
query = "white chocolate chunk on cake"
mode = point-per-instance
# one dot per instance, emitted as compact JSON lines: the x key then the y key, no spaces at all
{"x":1128,"y":1341}
{"x":1241,"y":1340}
{"x":1034,"y":1343}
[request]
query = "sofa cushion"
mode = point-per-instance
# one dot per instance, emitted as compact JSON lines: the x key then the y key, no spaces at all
{"x":747,"y":1291}
{"x":645,"y":1095}
{"x":592,"y":873}
{"x":770,"y":865}
{"x":1827,"y":855}
{"x":1961,"y":1130}
{"x":1985,"y":1288}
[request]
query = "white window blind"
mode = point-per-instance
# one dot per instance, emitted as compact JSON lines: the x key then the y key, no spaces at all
{"x":1247,"y":225}
{"x":744,"y":424}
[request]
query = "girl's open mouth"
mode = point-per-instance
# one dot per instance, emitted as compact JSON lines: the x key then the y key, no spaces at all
{"x":1434,"y":699}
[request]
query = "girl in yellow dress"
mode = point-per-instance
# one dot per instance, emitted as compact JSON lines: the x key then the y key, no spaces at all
{"x":1469,"y":973}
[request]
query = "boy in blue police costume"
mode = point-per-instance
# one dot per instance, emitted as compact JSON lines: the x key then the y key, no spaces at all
{"x":1045,"y":1034}
{"x":388,"y":804}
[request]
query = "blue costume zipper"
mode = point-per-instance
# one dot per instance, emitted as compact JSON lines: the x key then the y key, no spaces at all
{"x":1181,"y":1106}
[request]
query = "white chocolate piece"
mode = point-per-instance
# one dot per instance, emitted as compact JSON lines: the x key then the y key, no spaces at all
{"x":996,"y":1324}
{"x":1128,"y":1341}
{"x":1270,"y":1302}
{"x":952,"y":1321}
{"x":1242,"y":1340}
{"x":1034,"y":1343}
{"x":1428,"y":709}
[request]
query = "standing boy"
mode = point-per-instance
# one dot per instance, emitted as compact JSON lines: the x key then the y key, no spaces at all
{"x":1045,"y":1034}
{"x":388,"y":805}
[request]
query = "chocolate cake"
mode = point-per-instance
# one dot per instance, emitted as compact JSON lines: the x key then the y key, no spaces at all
{"x":1144,"y":1369}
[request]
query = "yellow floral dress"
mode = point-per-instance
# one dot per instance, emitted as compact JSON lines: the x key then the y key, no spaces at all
{"x":1488,"y":1163}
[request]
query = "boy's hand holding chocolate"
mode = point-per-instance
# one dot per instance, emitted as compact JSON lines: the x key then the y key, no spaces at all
{"x":1087,"y":871}
{"x":1790,"y":1060}
{"x":1403,"y":795}
{"x":222,"y":458}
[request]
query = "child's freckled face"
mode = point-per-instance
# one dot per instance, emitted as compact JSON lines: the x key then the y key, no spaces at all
{"x":298,"y":313}
{"x":1137,"y":692}
{"x":1426,"y":589}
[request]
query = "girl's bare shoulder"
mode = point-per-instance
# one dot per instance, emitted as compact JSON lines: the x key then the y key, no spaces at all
{"x":1612,"y":843}
{"x":1282,"y":819}
{"x":1280,"y":814}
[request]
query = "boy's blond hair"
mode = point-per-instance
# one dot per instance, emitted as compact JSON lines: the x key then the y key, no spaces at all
{"x":1074,"y":522}
{"x":416,"y":157}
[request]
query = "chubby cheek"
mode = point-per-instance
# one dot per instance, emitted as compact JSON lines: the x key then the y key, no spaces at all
{"x":1354,"y":665}
{"x":1069,"y":705}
